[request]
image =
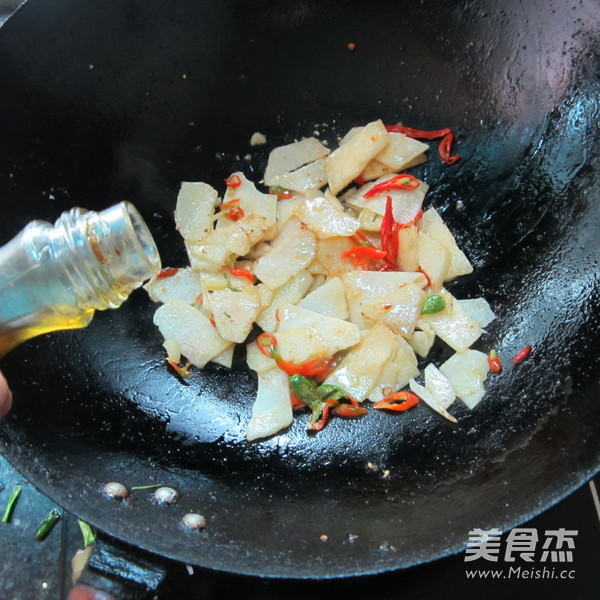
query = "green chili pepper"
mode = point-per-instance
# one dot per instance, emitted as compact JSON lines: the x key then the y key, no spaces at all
{"x":230,"y":284}
{"x":146,"y":487}
{"x":306,"y":391}
{"x":332,"y":392}
{"x":433,"y":303}
{"x":89,"y":537}
{"x":12,"y":500}
{"x":48,"y":524}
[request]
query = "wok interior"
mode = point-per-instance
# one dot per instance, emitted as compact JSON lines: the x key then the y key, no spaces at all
{"x":166,"y":92}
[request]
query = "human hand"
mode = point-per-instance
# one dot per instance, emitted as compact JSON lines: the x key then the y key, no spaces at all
{"x":5,"y":397}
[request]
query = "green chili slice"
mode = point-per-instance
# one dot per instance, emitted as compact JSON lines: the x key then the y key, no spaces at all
{"x":12,"y":500}
{"x":48,"y":524}
{"x":89,"y":537}
{"x":434,"y":303}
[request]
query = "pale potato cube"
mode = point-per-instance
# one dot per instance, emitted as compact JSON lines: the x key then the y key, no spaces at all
{"x":198,"y":340}
{"x":183,"y":285}
{"x":285,"y":211}
{"x":363,"y":287}
{"x":234,"y":311}
{"x":422,"y":338}
{"x":337,"y":333}
{"x":301,"y":344}
{"x":453,"y":324}
{"x":285,"y":159}
{"x":289,"y":293}
{"x":361,"y":368}
{"x":256,"y":360}
{"x":329,"y":255}
{"x":272,"y":410}
{"x":434,"y":260}
{"x":467,"y":372}
{"x":293,"y":250}
{"x":308,"y":177}
{"x":329,"y":299}
{"x":348,"y":161}
{"x":207,"y":257}
{"x":396,"y":372}
{"x":399,"y":310}
{"x":173,"y":350}
{"x":253,"y":202}
{"x":369,"y":220}
{"x":433,"y":225}
{"x":401,"y":151}
{"x":376,"y":169}
{"x":195,"y":208}
{"x":324,"y":214}
{"x":224,"y":358}
{"x":408,"y":248}
{"x":479,"y":310}
{"x":437,"y":383}
{"x":429,"y":399}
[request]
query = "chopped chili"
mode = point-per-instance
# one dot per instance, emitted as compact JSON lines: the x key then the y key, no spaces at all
{"x":229,"y":204}
{"x":399,"y":401}
{"x":235,"y":214}
{"x":397,"y":182}
{"x":522,"y":355}
{"x":233,"y":181}
{"x":242,"y":272}
{"x":281,"y":193}
{"x":445,"y":146}
{"x":167,"y":272}
{"x":182,"y":371}
{"x":361,"y":239}
{"x":389,"y":232}
{"x":434,"y":303}
{"x":361,"y":255}
{"x":494,"y":362}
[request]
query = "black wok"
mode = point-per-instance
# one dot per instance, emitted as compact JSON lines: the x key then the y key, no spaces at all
{"x":104,"y":101}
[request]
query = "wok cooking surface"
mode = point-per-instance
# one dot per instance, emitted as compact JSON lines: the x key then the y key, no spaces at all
{"x":153,"y":97}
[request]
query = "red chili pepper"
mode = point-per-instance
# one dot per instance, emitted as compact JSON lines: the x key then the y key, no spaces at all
{"x":389,"y":232}
{"x":360,"y":180}
{"x":318,"y":426}
{"x":445,"y":146}
{"x":412,"y":222}
{"x":428,"y":284}
{"x":241,"y":272}
{"x":168,"y":272}
{"x":522,"y":355}
{"x":182,"y":371}
{"x":233,"y":181}
{"x":227,"y":205}
{"x":397,"y":182}
{"x":399,"y":401}
{"x":494,"y":362}
{"x":345,"y":410}
{"x":235,"y":213}
{"x":361,"y":239}
{"x":360,"y":255}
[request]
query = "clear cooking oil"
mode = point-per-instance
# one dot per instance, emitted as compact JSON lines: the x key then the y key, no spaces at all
{"x":55,"y":277}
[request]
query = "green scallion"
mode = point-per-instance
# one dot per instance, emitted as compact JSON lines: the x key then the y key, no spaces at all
{"x":12,"y":500}
{"x":146,"y":487}
{"x":434,"y":303}
{"x":48,"y":524}
{"x":89,"y":537}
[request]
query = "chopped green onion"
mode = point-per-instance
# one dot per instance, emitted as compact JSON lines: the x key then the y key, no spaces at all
{"x":434,"y":303}
{"x":230,"y":284}
{"x":146,"y":487}
{"x":89,"y":537}
{"x":48,"y":524}
{"x":12,"y":500}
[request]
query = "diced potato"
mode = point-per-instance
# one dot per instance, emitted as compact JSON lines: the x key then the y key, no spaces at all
{"x":240,"y":236}
{"x":329,"y":255}
{"x":173,"y":350}
{"x":211,"y":282}
{"x":196,"y":204}
{"x":376,"y":169}
{"x":467,"y":372}
{"x":285,"y":159}
{"x":328,"y":299}
{"x":207,"y":257}
{"x":285,"y":211}
{"x":453,"y":324}
{"x":224,"y":358}
{"x":479,"y":310}
{"x":324,"y":214}
{"x":429,"y":399}
{"x":363,"y":287}
{"x":434,"y":260}
{"x":256,"y":360}
{"x":439,"y":386}
{"x":272,"y":410}
{"x":399,"y":310}
{"x":316,"y":269}
{"x":309,"y":177}
{"x":348,"y":161}
{"x":289,"y":293}
{"x":337,"y":333}
{"x":408,"y":248}
{"x":198,"y":340}
{"x":183,"y":285}
{"x":396,"y":372}
{"x":361,"y":368}
{"x":422,"y":338}
{"x":253,"y":202}
{"x":433,"y":225}
{"x":369,"y":220}
{"x":301,"y":344}
{"x":234,"y":311}
{"x":401,"y":151}
{"x":291,"y":251}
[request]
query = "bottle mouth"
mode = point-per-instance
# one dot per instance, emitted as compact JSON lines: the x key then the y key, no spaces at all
{"x":132,"y":256}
